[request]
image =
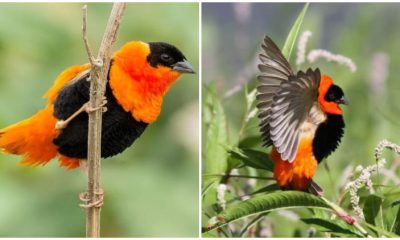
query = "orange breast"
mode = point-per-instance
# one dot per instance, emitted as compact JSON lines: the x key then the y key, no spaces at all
{"x":298,"y":174}
{"x":138,"y":87}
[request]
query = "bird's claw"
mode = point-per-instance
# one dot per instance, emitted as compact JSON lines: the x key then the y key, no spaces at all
{"x":103,"y":107}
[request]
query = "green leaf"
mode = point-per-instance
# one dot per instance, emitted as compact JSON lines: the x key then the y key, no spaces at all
{"x":252,"y":158}
{"x":333,"y":226}
{"x":395,"y":203}
{"x":250,"y":141}
{"x":382,"y":232}
{"x":268,"y":202}
{"x":396,"y":223}
{"x":371,"y":208}
{"x":269,"y":188}
{"x":216,"y":154}
{"x":210,"y":235}
{"x":206,"y":187}
{"x":250,"y":98}
{"x":291,"y":38}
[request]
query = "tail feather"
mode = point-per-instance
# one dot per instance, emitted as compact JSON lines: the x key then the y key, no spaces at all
{"x":32,"y":138}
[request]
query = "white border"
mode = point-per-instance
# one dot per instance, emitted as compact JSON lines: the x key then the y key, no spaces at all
{"x":200,"y":115}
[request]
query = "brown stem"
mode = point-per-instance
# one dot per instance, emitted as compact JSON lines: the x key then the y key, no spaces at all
{"x":98,"y":76}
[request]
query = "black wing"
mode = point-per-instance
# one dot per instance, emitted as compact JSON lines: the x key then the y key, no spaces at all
{"x":72,"y":96}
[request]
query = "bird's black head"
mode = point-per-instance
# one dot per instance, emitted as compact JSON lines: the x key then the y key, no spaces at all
{"x":335,"y":94}
{"x":169,"y":56}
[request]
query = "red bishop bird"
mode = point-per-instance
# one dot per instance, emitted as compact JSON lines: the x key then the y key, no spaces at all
{"x":140,"y":74}
{"x":300,"y":118}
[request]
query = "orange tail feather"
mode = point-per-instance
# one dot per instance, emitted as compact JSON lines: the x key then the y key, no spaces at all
{"x":33,"y":139}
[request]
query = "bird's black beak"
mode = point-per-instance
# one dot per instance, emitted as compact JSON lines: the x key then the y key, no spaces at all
{"x":183,"y":67}
{"x":343,"y":101}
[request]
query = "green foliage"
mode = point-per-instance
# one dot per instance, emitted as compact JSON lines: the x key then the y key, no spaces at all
{"x":253,"y":203}
{"x":373,"y":204}
{"x":268,"y":202}
{"x":396,"y":223}
{"x":216,"y":158}
{"x":334,"y":227}
{"x":251,"y":158}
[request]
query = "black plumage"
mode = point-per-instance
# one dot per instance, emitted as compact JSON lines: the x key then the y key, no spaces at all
{"x":327,"y":136}
{"x":164,"y":54}
{"x":119,"y":128}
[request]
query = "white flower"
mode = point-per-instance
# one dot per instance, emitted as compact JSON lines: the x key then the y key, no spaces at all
{"x":364,"y":179}
{"x":221,"y":195}
{"x":315,"y":54}
{"x":301,"y":47}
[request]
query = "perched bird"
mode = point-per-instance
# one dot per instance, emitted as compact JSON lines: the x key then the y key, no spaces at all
{"x":299,"y":116}
{"x":139,"y":76}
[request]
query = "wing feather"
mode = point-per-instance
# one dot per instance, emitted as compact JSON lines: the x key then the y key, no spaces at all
{"x":274,"y":69}
{"x":290,"y":108}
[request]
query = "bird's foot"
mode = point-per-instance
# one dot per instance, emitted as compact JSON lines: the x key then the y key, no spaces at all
{"x":89,"y":109}
{"x":84,"y":197}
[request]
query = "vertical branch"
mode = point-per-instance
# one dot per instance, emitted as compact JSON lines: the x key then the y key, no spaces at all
{"x":98,"y":77}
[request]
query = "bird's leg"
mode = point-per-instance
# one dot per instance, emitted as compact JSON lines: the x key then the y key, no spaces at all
{"x":313,"y":188}
{"x":61,"y":124}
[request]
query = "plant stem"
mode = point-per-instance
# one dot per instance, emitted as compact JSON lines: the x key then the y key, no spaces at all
{"x":346,"y":217}
{"x":98,"y":78}
{"x":251,"y":223}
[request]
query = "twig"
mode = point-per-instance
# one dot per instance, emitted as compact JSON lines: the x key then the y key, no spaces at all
{"x":98,"y":76}
{"x":85,"y":38}
{"x":251,"y":224}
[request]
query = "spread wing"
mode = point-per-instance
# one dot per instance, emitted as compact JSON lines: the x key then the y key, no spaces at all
{"x":275,"y":69}
{"x":284,"y":100}
{"x":290,"y":108}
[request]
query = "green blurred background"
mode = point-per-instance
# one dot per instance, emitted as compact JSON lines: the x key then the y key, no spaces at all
{"x":152,"y":188}
{"x":368,"y":33}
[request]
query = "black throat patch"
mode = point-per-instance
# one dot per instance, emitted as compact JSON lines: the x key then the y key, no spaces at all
{"x":328,"y":136}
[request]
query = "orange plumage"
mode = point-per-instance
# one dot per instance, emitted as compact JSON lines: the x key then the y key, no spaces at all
{"x":140,"y":75}
{"x":297,"y":174}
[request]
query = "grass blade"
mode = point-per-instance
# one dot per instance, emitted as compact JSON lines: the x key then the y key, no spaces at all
{"x":291,"y":38}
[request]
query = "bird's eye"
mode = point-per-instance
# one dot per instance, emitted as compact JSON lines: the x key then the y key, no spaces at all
{"x":165,"y":57}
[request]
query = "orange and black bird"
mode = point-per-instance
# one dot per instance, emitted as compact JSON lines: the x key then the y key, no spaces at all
{"x":139,"y":76}
{"x":299,"y":116}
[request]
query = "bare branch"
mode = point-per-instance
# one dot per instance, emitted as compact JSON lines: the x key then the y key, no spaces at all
{"x":85,"y":38}
{"x":98,"y":76}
